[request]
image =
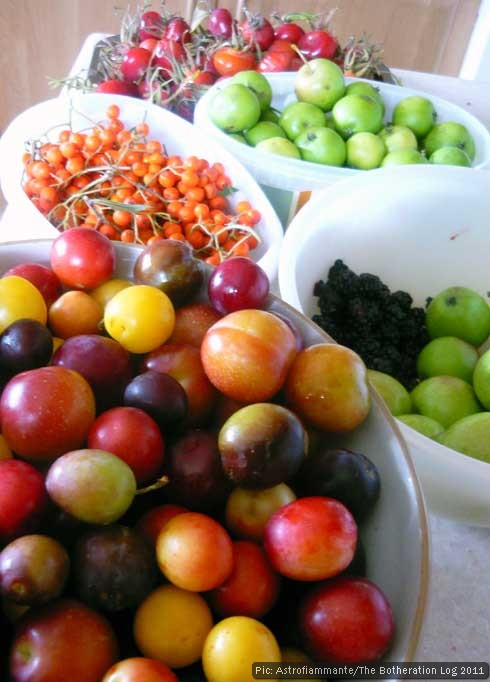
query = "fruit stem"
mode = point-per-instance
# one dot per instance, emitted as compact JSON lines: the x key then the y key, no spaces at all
{"x":159,"y":483}
{"x":298,"y":52}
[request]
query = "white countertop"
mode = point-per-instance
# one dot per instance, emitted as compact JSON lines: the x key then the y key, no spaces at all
{"x":457,"y":625}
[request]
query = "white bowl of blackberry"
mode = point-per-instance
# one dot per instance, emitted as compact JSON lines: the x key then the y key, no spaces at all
{"x":385,"y":263}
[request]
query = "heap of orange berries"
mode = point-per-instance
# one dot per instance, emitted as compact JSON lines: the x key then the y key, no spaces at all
{"x":121,"y":183}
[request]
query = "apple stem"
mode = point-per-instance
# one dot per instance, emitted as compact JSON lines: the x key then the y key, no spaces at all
{"x":160,"y":483}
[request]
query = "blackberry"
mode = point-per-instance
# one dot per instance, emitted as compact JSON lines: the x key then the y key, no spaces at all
{"x":384,"y":328}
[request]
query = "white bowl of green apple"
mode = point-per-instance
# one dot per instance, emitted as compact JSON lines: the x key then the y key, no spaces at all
{"x":299,"y":130}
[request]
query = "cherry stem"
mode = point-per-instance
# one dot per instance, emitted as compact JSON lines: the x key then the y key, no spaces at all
{"x":160,"y":483}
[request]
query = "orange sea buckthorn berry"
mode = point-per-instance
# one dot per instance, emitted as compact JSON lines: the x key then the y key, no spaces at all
{"x":154,"y":147}
{"x":64,"y":135}
{"x":155,"y":238}
{"x":122,"y":218}
{"x":75,"y":164}
{"x":113,"y":111}
{"x":108,"y":230}
{"x":213,"y":259}
{"x":128,"y":236}
{"x":196,"y":194}
{"x":69,"y":150}
{"x":41,"y":170}
{"x":77,"y":139}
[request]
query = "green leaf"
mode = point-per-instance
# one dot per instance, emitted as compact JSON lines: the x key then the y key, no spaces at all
{"x":226,"y":191}
{"x":132,"y":208}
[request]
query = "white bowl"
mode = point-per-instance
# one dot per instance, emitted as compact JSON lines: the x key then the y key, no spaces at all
{"x":421,"y":229}
{"x":397,"y":561}
{"x":296,"y":175}
{"x":179,"y":136}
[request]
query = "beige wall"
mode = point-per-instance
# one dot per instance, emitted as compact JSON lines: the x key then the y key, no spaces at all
{"x":41,"y":38}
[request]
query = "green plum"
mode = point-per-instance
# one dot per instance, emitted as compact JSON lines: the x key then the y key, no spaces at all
{"x":450,"y":134}
{"x":470,"y":435}
{"x":398,"y":137}
{"x":279,"y":145}
{"x":234,"y":108}
{"x":400,"y":157}
{"x":365,"y":151}
{"x":450,"y":156}
{"x":298,"y":116}
{"x":447,"y":355}
{"x":424,"y":425}
{"x":321,"y":145}
{"x":258,"y":84}
{"x":460,"y":312}
{"x":416,"y":113}
{"x":394,"y":394}
{"x":92,"y":485}
{"x":263,"y":130}
{"x":481,"y":380}
{"x":357,"y":114}
{"x":445,"y":399}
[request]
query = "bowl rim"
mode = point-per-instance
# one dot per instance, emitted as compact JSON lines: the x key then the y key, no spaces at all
{"x":415,"y":629}
{"x":424,"y":573}
{"x":296,"y":234}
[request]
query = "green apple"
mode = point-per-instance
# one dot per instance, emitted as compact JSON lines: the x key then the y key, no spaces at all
{"x":320,"y":82}
{"x":298,"y":116}
{"x":470,"y":435}
{"x":238,"y":137}
{"x":450,"y":134}
{"x":279,"y":145}
{"x":447,"y":355}
{"x":321,"y":145}
{"x":481,"y":380}
{"x":271,"y":115}
{"x":450,"y":156}
{"x":234,"y":108}
{"x":263,"y":130}
{"x":445,"y":399}
{"x":398,"y":137}
{"x":259,"y":85}
{"x":400,"y":157}
{"x":365,"y":151}
{"x":460,"y":312}
{"x":357,"y":114}
{"x":364,"y":88}
{"x":424,"y":425}
{"x":394,"y":394}
{"x":416,"y":113}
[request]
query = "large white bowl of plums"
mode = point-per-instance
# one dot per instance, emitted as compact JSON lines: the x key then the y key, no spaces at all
{"x":184,"y":489}
{"x":395,"y":266}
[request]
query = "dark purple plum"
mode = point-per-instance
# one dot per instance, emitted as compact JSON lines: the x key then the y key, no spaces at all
{"x":113,"y":568}
{"x":159,"y":395}
{"x":350,"y":477}
{"x":25,"y":344}
{"x":262,"y":445}
{"x":170,"y":266}
{"x":102,"y":361}
{"x":197,"y":479}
